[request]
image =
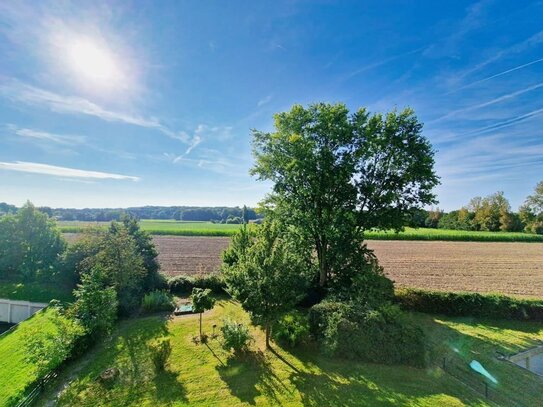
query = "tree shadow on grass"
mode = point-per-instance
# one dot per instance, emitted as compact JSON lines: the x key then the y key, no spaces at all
{"x":168,"y":387}
{"x":249,"y":376}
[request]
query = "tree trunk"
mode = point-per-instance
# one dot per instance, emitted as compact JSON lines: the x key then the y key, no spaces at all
{"x":268,"y":336}
{"x":200,"y":325}
{"x":322,"y":264}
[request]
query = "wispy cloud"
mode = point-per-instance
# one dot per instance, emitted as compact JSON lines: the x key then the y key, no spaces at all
{"x":31,"y":95}
{"x":264,"y":100}
{"x":514,"y":49}
{"x":488,"y":103}
{"x":45,"y":169}
{"x":506,"y":123}
{"x":381,"y":62}
{"x":45,"y":136}
{"x":516,"y":68}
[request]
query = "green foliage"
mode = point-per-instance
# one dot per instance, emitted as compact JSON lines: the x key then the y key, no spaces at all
{"x":369,"y":287}
{"x":531,"y":213}
{"x":183,"y":284}
{"x":291,"y":329}
{"x":96,"y":303}
{"x":202,"y":301}
{"x":146,"y":248}
{"x":433,"y":218}
{"x":30,"y":244}
{"x":158,"y":300}
{"x":268,"y":277}
{"x":236,"y":336}
{"x":160,"y":351}
{"x":470,"y":304}
{"x":48,"y":349}
{"x":325,"y":164}
{"x":377,"y":335}
{"x":115,"y":252}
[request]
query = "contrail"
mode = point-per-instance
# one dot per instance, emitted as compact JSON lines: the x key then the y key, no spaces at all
{"x":505,"y":123}
{"x":498,"y":74}
{"x":490,"y":102}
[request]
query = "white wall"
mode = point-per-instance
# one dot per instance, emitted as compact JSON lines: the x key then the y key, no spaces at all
{"x":13,"y":312}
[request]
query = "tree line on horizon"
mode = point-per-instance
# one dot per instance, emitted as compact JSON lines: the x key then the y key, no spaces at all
{"x":490,"y":213}
{"x":219,"y":214}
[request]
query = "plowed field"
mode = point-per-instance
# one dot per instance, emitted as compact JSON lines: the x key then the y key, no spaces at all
{"x":508,"y":268}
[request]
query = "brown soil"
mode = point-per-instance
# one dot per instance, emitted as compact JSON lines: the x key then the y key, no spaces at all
{"x":509,"y":268}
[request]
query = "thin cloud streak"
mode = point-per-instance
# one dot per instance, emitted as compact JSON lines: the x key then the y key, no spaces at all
{"x":75,"y":105}
{"x":489,"y":103}
{"x":45,"y":169}
{"x":45,"y":136}
{"x":516,"y":68}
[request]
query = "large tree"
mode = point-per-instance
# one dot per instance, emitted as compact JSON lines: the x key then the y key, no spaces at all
{"x":30,"y":243}
{"x":337,"y":174}
{"x":531,"y":212}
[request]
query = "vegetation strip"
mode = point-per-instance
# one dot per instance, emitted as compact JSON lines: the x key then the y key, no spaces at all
{"x":211,"y":229}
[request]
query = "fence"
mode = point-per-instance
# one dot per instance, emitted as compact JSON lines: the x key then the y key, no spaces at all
{"x":461,"y":371}
{"x":36,"y":391}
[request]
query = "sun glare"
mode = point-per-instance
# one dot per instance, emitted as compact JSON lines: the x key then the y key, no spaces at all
{"x":93,"y":62}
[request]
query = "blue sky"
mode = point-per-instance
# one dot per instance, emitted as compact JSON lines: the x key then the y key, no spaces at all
{"x":125,"y":104}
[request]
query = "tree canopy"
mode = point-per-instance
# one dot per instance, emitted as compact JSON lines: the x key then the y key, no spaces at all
{"x":337,"y":174}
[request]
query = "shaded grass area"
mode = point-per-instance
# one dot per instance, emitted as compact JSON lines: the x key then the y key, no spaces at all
{"x":16,"y":374}
{"x":463,"y":340}
{"x":180,"y":228}
{"x":206,"y":375}
{"x":35,"y":292}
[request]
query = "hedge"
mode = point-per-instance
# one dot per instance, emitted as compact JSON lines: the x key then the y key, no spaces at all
{"x":469,"y":304}
{"x":371,"y":335}
{"x":183,"y":284}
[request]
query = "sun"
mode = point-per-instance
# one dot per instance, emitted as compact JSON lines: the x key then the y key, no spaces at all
{"x":93,"y":62}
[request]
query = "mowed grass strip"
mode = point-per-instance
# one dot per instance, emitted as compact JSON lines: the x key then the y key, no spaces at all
{"x":206,"y":375}
{"x":182,"y":228}
{"x":16,"y":373}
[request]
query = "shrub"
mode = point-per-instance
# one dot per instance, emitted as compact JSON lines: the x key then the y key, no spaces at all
{"x":372,"y":335}
{"x":291,"y":329}
{"x":48,"y":349}
{"x":158,"y":301}
{"x":184,"y":284}
{"x":470,"y":304}
{"x":318,"y":317}
{"x":160,"y":352}
{"x":236,"y":336}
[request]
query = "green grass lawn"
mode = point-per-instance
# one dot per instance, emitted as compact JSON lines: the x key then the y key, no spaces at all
{"x":209,"y":376}
{"x":36,"y":292}
{"x":16,"y":374}
{"x":181,"y":228}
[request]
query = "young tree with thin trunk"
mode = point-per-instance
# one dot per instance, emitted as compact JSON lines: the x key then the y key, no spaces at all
{"x":201,"y":302}
{"x":266,"y":275}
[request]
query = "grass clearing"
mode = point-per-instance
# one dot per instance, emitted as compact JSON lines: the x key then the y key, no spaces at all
{"x":35,"y":292}
{"x":182,"y":228}
{"x":16,"y":374}
{"x":209,"y":376}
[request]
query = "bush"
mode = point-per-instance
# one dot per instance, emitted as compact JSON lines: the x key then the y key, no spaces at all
{"x":184,"y":284}
{"x":236,"y":336}
{"x":158,"y":301}
{"x":160,"y":352}
{"x":291,"y":329}
{"x":372,"y":335}
{"x":319,"y":314}
{"x":470,"y":304}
